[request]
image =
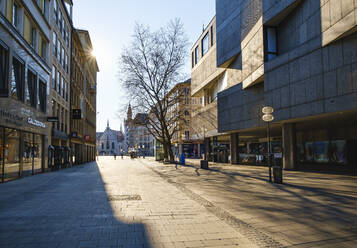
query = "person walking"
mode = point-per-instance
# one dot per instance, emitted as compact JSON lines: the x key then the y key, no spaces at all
{"x":115,"y":156}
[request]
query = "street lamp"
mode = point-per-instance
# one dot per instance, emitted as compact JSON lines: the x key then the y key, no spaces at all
{"x":268,"y":117}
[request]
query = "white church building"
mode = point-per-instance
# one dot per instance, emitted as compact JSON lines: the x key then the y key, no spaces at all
{"x":110,"y":142}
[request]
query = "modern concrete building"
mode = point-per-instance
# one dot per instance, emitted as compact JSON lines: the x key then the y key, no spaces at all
{"x":25,"y":34}
{"x":207,"y":80}
{"x":83,"y":98}
{"x":300,"y":57}
{"x":61,"y":45}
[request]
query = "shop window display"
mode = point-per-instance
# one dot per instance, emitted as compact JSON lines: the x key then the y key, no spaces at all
{"x":11,"y":154}
{"x":37,"y":153}
{"x":2,"y":152}
{"x":27,"y":153}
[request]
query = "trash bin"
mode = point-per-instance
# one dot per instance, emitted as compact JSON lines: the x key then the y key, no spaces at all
{"x":182,"y":159}
{"x":204,"y":164}
{"x":278,"y":174}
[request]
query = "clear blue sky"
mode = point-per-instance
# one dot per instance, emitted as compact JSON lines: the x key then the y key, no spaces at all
{"x":111,"y":23}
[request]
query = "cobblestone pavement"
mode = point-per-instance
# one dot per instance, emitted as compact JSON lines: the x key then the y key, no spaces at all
{"x":110,"y":203}
{"x":308,"y":210}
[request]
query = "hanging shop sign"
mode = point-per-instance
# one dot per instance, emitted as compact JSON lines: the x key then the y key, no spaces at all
{"x":74,"y":134}
{"x":52,"y":118}
{"x":77,"y":114}
{"x":35,"y":123}
{"x":86,"y":138}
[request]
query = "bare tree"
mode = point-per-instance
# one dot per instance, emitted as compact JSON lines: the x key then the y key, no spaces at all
{"x":149,"y":68}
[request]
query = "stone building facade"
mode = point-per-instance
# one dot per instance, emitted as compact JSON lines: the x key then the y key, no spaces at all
{"x":300,"y":57}
{"x":83,"y":98}
{"x":110,"y":142}
{"x":187,"y":138}
{"x":60,"y":91}
{"x":137,"y":137}
{"x":24,"y":87}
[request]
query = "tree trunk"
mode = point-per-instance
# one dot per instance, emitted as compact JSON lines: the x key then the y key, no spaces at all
{"x":171,"y":154}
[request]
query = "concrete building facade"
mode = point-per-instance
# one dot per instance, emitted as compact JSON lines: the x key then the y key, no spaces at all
{"x":207,"y":80}
{"x":299,"y":57}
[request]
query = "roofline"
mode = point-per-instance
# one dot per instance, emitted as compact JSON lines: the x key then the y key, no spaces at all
{"x":204,"y":31}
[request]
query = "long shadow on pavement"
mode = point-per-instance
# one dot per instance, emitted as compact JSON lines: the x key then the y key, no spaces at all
{"x":69,"y":208}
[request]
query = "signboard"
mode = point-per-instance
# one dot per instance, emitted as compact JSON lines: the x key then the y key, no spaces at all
{"x":86,"y":138}
{"x":52,"y":118}
{"x":74,"y":134}
{"x":77,"y":114}
{"x":36,"y":122}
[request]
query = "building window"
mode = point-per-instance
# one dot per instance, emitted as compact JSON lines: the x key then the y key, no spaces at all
{"x":186,"y":113}
{"x":60,"y":86}
{"x":103,"y":146}
{"x":196,"y":55}
{"x":54,"y":77}
{"x":107,"y":144}
{"x":113,"y":146}
{"x":31,"y":88}
{"x":66,"y":63}
{"x":211,"y":35}
{"x":187,"y":101}
{"x":58,"y":81}
{"x":205,"y":44}
{"x":58,"y":50}
{"x":270,"y":38}
{"x":43,"y":49}
{"x":15,"y":15}
{"x":62,"y":57}
{"x":55,"y":10}
{"x":186,"y":91}
{"x":54,"y":44}
{"x":42,"y":95}
{"x":17,"y":79}
{"x":4,"y":63}
{"x":187,"y":135}
{"x":193,"y":59}
{"x":33,"y":38}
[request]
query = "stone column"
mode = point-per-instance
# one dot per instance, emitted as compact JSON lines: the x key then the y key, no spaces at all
{"x":234,"y":148}
{"x":207,"y":148}
{"x":289,"y":146}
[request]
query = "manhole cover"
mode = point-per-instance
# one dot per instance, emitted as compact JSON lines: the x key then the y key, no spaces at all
{"x":124,"y":198}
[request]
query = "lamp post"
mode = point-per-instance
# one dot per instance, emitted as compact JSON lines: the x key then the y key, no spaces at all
{"x":268,"y":117}
{"x":204,"y":142}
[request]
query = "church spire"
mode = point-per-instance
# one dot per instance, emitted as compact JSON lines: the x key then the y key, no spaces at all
{"x":130,"y":113}
{"x":108,"y":124}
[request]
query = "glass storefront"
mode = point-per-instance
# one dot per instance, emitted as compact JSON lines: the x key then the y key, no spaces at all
{"x":27,"y":154}
{"x":12,"y":154}
{"x":2,"y":153}
{"x":37,"y":153}
{"x":20,"y":153}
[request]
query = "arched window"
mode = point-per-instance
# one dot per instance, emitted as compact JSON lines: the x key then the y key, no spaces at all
{"x":113,"y":146}
{"x":102,"y":145}
{"x":186,"y":112}
{"x":108,"y":144}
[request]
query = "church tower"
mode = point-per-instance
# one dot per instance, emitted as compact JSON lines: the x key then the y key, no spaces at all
{"x":108,"y":124}
{"x":130,"y":113}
